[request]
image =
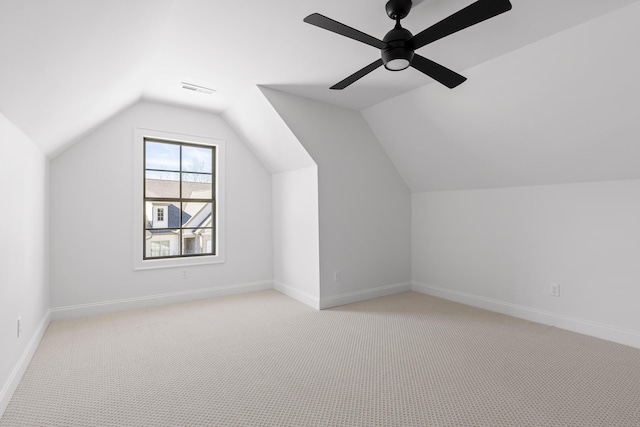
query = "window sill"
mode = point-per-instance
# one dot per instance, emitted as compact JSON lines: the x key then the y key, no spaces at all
{"x":152,"y":264}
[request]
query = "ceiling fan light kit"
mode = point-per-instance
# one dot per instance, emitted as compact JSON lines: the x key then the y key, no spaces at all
{"x":397,"y":48}
{"x":397,"y":55}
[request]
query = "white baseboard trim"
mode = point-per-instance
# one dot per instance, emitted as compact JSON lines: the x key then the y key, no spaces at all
{"x":294,"y":293}
{"x":18,"y":371}
{"x":104,"y":307}
{"x":351,"y":297}
{"x":569,"y":323}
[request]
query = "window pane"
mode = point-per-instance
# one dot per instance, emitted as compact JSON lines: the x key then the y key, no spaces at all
{"x":162,"y":156}
{"x":196,"y":186}
{"x":162,"y":215}
{"x":196,"y":215}
{"x":197,"y":241}
{"x":161,"y":243}
{"x":197,"y":159}
{"x":162,"y":184}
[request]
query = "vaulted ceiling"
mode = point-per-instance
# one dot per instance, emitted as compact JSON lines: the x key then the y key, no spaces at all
{"x":564,"y":109}
{"x":549,"y":74}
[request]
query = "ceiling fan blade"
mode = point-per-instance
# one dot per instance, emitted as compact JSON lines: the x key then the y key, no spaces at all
{"x":357,"y":75}
{"x":344,"y":30}
{"x":476,"y":12}
{"x":437,"y":72}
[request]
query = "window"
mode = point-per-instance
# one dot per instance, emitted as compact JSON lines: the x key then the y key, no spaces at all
{"x":160,"y":248}
{"x":178,"y":195}
{"x":178,"y":178}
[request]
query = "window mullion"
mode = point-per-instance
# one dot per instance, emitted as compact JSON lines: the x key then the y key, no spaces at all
{"x":181,"y":207}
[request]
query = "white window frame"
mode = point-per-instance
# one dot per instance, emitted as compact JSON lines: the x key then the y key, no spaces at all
{"x":139,"y":263}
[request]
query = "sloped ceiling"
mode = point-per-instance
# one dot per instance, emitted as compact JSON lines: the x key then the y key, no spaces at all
{"x":68,"y":65}
{"x":564,"y":109}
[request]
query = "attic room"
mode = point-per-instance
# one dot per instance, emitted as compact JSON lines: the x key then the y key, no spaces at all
{"x":496,"y":222}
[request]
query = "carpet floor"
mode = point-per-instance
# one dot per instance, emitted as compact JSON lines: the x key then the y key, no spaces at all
{"x":263,"y":359}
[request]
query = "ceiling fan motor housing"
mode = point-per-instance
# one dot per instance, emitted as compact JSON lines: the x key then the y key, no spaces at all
{"x":397,"y":55}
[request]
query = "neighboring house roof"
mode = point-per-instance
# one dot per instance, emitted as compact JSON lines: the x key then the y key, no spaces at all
{"x":167,"y":188}
{"x":174,"y":217}
{"x":199,"y":219}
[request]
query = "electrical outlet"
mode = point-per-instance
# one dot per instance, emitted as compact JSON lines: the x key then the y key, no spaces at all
{"x":19,"y":331}
{"x":185,"y":275}
{"x":555,"y":290}
{"x":336,"y":276}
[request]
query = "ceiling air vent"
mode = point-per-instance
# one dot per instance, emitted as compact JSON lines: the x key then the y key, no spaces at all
{"x":197,"y":88}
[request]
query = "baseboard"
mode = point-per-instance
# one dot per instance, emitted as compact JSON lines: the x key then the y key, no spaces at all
{"x":569,"y":323}
{"x":351,"y":297}
{"x":104,"y":307}
{"x":18,"y":371}
{"x":303,"y":297}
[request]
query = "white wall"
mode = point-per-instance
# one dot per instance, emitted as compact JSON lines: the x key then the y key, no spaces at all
{"x":295,"y":194}
{"x":296,"y":246}
{"x":364,"y":206}
{"x":92,"y":219}
{"x":24,"y":289}
{"x":502,"y":248}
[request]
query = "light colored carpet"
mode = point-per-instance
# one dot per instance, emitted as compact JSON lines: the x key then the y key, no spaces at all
{"x":263,"y":359}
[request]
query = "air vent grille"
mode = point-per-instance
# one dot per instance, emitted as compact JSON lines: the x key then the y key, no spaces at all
{"x":198,"y":88}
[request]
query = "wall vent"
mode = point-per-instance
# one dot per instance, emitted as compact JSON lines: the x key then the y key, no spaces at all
{"x":198,"y":88}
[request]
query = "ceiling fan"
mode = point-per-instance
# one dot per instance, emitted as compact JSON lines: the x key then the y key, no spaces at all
{"x":398,"y":46}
